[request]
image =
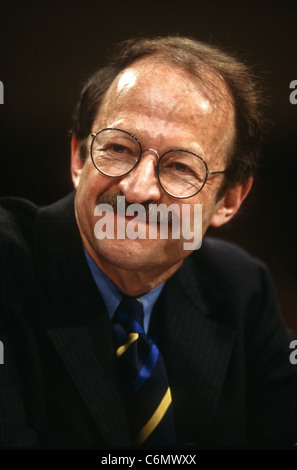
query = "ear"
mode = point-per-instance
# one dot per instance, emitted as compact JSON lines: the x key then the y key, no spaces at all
{"x":230,"y":203}
{"x":76,"y":162}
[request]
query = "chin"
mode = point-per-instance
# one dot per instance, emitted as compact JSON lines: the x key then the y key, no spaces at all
{"x":139,"y":255}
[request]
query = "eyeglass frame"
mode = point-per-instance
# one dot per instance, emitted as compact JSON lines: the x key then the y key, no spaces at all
{"x":208,"y":172}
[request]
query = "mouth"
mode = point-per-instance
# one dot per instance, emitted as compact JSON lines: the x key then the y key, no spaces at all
{"x":147,"y":215}
{"x":128,"y":218}
{"x":137,"y":219}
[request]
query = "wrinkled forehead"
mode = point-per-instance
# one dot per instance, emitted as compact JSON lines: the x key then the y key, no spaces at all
{"x":164,"y":80}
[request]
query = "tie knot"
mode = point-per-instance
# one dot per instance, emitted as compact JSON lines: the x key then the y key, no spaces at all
{"x":130,"y":314}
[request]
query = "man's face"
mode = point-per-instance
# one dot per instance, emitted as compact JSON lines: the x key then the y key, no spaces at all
{"x":164,"y":108}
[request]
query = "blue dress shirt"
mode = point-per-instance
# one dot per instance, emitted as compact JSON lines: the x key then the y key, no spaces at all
{"x":112,"y":295}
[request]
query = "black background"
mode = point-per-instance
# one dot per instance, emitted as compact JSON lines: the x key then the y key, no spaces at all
{"x":48,"y":49}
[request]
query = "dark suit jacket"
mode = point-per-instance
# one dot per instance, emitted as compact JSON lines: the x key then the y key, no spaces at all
{"x":216,"y":323}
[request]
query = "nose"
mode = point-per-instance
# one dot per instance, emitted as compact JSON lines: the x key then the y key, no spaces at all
{"x":141,"y":184}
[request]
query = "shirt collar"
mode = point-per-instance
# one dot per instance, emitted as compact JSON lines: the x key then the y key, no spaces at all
{"x":112,"y":295}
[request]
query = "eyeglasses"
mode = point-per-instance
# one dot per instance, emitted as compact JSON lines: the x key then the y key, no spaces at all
{"x":181,"y":174}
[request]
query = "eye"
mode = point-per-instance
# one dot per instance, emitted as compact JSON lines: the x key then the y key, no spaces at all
{"x":116,"y":149}
{"x":180,"y":167}
{"x":119,"y":148}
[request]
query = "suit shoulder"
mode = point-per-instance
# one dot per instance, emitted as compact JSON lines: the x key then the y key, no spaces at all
{"x":16,"y":217}
{"x":226,"y":251}
{"x":229,"y":264}
{"x":242,"y":283}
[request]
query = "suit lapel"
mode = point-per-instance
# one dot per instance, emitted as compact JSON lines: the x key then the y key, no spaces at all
{"x":76,"y":319}
{"x":196,"y":348}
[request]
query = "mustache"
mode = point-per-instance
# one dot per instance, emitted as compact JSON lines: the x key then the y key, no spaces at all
{"x":150,"y":207}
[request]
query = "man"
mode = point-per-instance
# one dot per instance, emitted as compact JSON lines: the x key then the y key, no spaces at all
{"x":168,"y":121}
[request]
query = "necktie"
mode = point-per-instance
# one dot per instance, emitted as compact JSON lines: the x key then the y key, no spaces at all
{"x":144,"y":379}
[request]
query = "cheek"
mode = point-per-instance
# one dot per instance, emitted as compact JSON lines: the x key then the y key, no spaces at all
{"x":92,"y":184}
{"x":207,"y":200}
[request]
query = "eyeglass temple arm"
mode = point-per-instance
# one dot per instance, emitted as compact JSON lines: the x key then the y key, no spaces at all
{"x":210,"y":172}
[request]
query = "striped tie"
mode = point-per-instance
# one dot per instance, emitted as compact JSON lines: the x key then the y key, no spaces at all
{"x":144,"y":379}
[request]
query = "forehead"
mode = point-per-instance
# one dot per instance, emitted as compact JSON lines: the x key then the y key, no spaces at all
{"x":162,"y":99}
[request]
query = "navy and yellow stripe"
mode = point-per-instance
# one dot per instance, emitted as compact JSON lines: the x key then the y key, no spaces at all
{"x":144,"y":377}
